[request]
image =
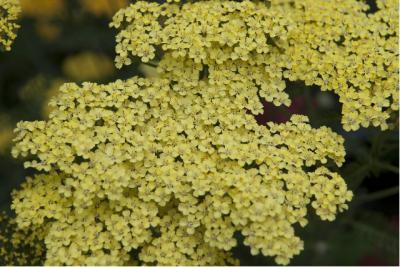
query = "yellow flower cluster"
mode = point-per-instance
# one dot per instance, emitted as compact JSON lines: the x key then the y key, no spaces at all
{"x":338,"y":47}
{"x":9,"y":11}
{"x":138,"y":164}
{"x":166,"y":169}
{"x":226,"y":41}
{"x":333,"y":44}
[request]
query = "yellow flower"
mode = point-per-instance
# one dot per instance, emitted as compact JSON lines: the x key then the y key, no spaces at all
{"x":175,"y":164}
{"x":9,"y":10}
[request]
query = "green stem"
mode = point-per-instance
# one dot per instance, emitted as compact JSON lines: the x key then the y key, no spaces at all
{"x":357,"y":177}
{"x":152,"y":64}
{"x":387,"y":167}
{"x":379,"y":195}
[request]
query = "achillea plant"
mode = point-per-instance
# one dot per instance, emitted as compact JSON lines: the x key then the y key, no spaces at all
{"x":9,"y":10}
{"x":165,"y":170}
{"x":333,"y":44}
{"x":338,"y":47}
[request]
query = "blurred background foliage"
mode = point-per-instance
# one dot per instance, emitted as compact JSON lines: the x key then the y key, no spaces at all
{"x":70,"y":41}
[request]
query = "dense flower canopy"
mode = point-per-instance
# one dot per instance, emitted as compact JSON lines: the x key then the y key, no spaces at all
{"x":131,"y":155}
{"x":336,"y":46}
{"x":167,"y":169}
{"x":9,"y":10}
{"x":333,"y":44}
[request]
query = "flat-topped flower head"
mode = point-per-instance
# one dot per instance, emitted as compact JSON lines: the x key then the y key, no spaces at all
{"x":165,"y":170}
{"x":338,"y":47}
{"x":254,"y":46}
{"x":119,"y":158}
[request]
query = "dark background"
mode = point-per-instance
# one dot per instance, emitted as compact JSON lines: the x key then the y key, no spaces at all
{"x":57,"y":41}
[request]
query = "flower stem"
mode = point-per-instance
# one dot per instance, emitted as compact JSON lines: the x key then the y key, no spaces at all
{"x":379,"y":195}
{"x":387,"y":167}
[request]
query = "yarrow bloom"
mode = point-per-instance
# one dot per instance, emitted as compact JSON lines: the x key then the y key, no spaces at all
{"x":333,"y":44}
{"x":338,"y":47}
{"x":166,"y":169}
{"x":9,"y":11}
{"x":136,"y":158}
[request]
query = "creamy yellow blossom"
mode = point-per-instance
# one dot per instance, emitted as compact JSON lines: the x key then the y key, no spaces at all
{"x":333,"y":44}
{"x":337,"y":46}
{"x":164,"y":170}
{"x":129,"y":154}
{"x":9,"y":11}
